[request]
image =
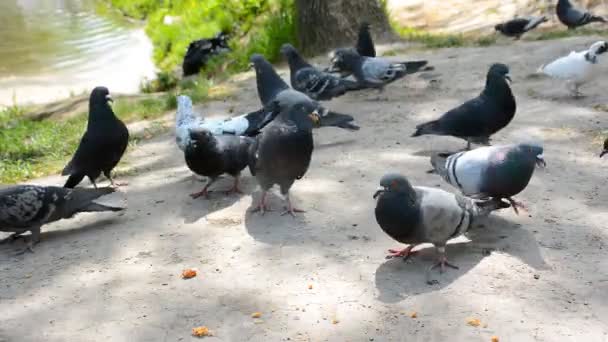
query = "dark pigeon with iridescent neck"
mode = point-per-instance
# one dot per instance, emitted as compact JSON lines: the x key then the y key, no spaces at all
{"x":477,"y":119}
{"x":501,"y":171}
{"x":518,"y":26}
{"x":417,"y":215}
{"x":102,"y":145}
{"x":317,"y":84}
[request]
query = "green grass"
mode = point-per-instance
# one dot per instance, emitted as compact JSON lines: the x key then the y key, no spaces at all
{"x":256,"y":26}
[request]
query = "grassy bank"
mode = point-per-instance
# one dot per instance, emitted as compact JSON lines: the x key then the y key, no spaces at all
{"x":255,"y":26}
{"x":34,"y":148}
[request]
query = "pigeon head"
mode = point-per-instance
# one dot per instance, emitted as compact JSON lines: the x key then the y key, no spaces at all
{"x":499,"y":27}
{"x":533,"y":152}
{"x":269,"y":83}
{"x":365,"y":26}
{"x":100,"y":95}
{"x":344,"y":60}
{"x":294,"y":59}
{"x":201,"y":137}
{"x":499,"y":71}
{"x":605,"y":150}
{"x":99,"y":108}
{"x":598,"y":48}
{"x":395,"y":183}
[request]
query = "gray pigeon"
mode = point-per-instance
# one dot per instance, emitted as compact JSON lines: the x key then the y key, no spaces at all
{"x":574,"y":17}
{"x":282,"y":152}
{"x":477,"y":119}
{"x":374,"y":72}
{"x":317,"y":84}
{"x":500,"y":171}
{"x":518,"y":26}
{"x":417,"y":215}
{"x":28,"y":207}
{"x":272,"y":88}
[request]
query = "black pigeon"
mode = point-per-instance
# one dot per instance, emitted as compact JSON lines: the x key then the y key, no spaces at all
{"x":272,"y":88}
{"x":374,"y":72}
{"x":498,"y":172}
{"x":26,"y":208}
{"x":214,"y":155}
{"x":281,"y":154}
{"x":518,"y":26}
{"x":102,"y":145}
{"x":200,"y":51}
{"x":417,"y":215}
{"x":365,"y":44}
{"x":477,"y":119}
{"x":317,"y":84}
{"x":574,"y":17}
{"x":605,"y":150}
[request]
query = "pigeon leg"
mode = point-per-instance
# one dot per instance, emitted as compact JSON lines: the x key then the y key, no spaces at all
{"x":468,"y":146}
{"x":262,"y":207}
{"x":405,"y":253}
{"x":114,"y":185}
{"x":443,"y":261}
{"x":235,"y":188}
{"x":515,"y":204}
{"x":31,"y":241}
{"x":291,"y":210}
{"x":93,"y":182}
{"x":204,"y":192}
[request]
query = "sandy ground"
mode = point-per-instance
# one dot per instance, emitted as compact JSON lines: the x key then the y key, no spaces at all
{"x":323,"y":276}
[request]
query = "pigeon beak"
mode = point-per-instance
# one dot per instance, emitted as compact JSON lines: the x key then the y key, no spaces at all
{"x":540,"y":161}
{"x":508,"y":78}
{"x":603,"y":152}
{"x":109,"y":98}
{"x":379,"y":192}
{"x":316,"y":118}
{"x":338,"y":120}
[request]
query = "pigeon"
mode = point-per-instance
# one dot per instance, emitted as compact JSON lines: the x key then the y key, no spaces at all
{"x":248,"y":124}
{"x":365,"y":44}
{"x":272,"y":88}
{"x":518,"y":26}
{"x":28,"y":207}
{"x":317,"y":84}
{"x":212,"y":155}
{"x":574,"y":17}
{"x":283,"y":150}
{"x":374,"y":72}
{"x":417,"y":215}
{"x":500,"y":171}
{"x":605,"y":150}
{"x":477,"y":119}
{"x":577,"y":68}
{"x":102,"y":145}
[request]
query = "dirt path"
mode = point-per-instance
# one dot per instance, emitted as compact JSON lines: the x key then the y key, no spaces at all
{"x":323,"y":276}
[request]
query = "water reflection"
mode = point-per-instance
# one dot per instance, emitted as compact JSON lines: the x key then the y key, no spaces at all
{"x":50,"y":49}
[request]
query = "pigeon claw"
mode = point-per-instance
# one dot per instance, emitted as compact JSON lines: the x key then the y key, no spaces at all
{"x":443,"y":262}
{"x":405,"y":253}
{"x":515,"y":204}
{"x":292,"y":211}
{"x":202,"y":193}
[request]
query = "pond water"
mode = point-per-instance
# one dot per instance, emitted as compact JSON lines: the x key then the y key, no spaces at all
{"x":51,"y":49}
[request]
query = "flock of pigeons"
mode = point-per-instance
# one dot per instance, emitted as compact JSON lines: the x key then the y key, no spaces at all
{"x":276,"y":144}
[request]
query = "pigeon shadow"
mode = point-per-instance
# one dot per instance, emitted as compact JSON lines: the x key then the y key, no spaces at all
{"x":274,"y":228}
{"x":87,"y":231}
{"x":396,"y":279}
{"x":336,"y":144}
{"x":193,"y":209}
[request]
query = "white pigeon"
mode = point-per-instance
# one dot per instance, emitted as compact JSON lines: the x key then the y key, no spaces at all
{"x":247,"y":124}
{"x":577,"y":68}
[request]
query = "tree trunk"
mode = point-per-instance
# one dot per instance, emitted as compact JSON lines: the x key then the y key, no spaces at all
{"x":327,"y":24}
